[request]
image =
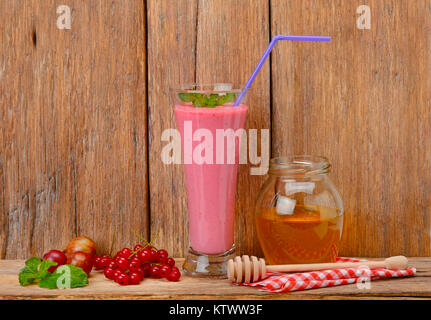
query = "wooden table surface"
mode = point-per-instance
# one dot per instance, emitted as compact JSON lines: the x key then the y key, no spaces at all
{"x":417,"y":287}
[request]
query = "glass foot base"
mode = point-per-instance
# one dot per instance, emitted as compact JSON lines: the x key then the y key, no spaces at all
{"x":207,"y":265}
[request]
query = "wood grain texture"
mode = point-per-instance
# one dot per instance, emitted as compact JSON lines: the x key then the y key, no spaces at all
{"x":415,"y":287}
{"x":171,"y":61}
{"x":362,"y":100}
{"x":74,"y":126}
{"x":37,"y":172}
{"x":73,"y":136}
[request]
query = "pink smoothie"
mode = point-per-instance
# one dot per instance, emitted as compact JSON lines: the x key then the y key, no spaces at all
{"x":210,"y":187}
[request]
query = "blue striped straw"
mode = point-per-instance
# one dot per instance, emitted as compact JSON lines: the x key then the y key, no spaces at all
{"x":266,"y":54}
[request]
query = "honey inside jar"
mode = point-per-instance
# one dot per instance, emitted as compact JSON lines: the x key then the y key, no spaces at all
{"x":310,"y":234}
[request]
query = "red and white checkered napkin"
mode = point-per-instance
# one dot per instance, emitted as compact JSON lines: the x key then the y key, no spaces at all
{"x":283,"y":282}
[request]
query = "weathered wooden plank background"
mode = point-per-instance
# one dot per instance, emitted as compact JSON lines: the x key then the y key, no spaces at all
{"x":82,"y":112}
{"x":73,"y":136}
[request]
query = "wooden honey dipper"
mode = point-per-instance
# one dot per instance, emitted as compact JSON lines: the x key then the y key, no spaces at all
{"x":251,"y":269}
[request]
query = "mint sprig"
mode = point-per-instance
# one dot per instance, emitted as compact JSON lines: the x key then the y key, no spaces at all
{"x":212,"y":100}
{"x":66,"y":276}
{"x":229,"y":97}
{"x":35,"y":269}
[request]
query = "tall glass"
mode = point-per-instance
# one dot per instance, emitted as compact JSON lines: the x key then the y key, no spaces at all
{"x":211,"y":129}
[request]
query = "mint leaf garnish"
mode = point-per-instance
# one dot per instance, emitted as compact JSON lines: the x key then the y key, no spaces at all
{"x":26,"y":276}
{"x":201,"y":100}
{"x":186,"y":97}
{"x":65,"y":277}
{"x":33,"y":263}
{"x":212,"y":100}
{"x":35,"y":269}
{"x":229,"y":97}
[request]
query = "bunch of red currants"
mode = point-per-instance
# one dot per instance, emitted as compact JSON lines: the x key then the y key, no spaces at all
{"x":129,"y":267}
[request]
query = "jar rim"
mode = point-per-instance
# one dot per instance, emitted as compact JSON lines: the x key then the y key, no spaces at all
{"x":299,"y":165}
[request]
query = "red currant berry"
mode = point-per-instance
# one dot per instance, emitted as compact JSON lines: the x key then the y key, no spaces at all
{"x":173,"y":275}
{"x":146,"y":269}
{"x":135,"y":278}
{"x":109,"y":273}
{"x":126,"y":252}
{"x":155,"y":272}
{"x":105,"y":256}
{"x":138,"y":247}
{"x":97,"y":263}
{"x":135,"y":258}
{"x":165,"y":270}
{"x":104,"y":262}
{"x":134,"y":265}
{"x":144,"y":255}
{"x":113,"y":265}
{"x":170,"y":262}
{"x":154,"y":256}
{"x":162,"y":256}
{"x":122,"y":279}
{"x":162,"y":252}
{"x":141,"y":272}
{"x":175,"y":269}
{"x":123,"y":263}
{"x":117,"y":272}
{"x":163,"y":260}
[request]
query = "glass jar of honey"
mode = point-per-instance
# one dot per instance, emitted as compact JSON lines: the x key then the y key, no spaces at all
{"x":299,"y":212}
